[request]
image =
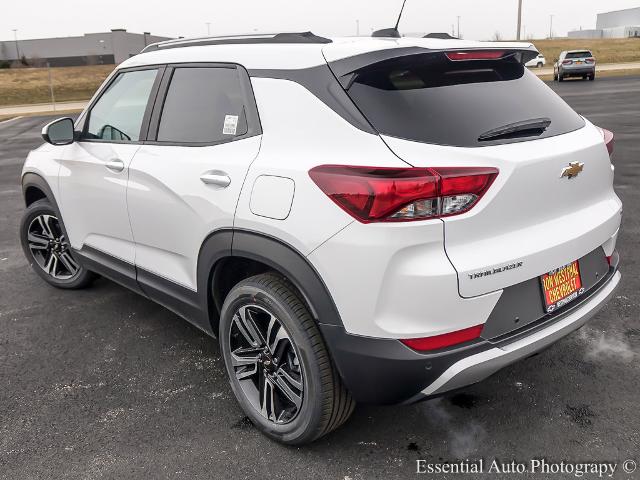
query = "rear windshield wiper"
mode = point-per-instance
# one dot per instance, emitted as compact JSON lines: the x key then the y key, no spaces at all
{"x":526,"y":128}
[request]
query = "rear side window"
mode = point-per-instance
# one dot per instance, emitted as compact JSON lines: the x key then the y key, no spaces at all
{"x":429,"y":98}
{"x":585,"y":54}
{"x":203,"y":105}
{"x":118,"y":113}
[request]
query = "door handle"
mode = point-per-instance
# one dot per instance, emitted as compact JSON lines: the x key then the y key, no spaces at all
{"x":115,"y":165}
{"x":219,"y":179}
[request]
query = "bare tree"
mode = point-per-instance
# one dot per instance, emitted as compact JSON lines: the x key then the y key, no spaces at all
{"x":497,"y":36}
{"x":37,"y":62}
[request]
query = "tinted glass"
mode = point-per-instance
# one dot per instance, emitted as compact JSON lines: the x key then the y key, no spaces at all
{"x":118,"y":113}
{"x":428,"y":98}
{"x":203,"y":105}
{"x":585,"y":54}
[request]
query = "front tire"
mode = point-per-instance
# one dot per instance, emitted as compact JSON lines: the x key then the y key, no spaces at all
{"x":278,"y":365}
{"x":48,"y":250}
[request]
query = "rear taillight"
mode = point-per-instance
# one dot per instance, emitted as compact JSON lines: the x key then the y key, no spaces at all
{"x":373,"y":194}
{"x":567,"y":62}
{"x":590,"y":60}
{"x":476,"y":55}
{"x":608,"y":138}
{"x":443,"y":341}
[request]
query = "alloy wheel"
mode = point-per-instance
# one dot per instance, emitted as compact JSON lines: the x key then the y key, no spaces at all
{"x":50,"y":248}
{"x":266,"y":364}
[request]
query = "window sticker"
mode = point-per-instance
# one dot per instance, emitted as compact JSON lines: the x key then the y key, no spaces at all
{"x":230,"y":125}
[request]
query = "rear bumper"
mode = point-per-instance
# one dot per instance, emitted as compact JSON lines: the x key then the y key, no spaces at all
{"x":479,"y":366}
{"x":578,"y":71}
{"x":385,"y":371}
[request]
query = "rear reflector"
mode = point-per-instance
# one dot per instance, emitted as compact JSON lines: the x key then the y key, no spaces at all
{"x":374,"y":194}
{"x":609,"y":139}
{"x":443,"y":341}
{"x":476,"y":55}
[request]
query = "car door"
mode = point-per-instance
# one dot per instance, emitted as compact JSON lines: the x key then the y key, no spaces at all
{"x":185,"y":181}
{"x":94,"y":171}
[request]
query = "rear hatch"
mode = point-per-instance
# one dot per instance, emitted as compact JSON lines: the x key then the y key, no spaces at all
{"x":434,"y":109}
{"x":578,"y":60}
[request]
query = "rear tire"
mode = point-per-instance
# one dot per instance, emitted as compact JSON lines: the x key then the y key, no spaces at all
{"x":48,"y":250}
{"x":278,"y":365}
{"x":592,"y":77}
{"x":560,"y":78}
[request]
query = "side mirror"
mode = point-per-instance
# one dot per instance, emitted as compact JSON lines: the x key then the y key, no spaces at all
{"x":59,"y":132}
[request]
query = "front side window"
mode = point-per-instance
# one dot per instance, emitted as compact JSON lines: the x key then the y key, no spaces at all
{"x":117,"y":115}
{"x":203,"y":105}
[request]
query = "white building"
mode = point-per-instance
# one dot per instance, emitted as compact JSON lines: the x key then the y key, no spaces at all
{"x":617,"y":24}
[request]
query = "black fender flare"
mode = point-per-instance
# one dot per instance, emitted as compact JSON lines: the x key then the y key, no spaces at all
{"x":274,"y":253}
{"x":31,"y":179}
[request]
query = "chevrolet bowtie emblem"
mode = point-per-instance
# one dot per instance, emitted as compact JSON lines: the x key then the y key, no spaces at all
{"x":573,"y":170}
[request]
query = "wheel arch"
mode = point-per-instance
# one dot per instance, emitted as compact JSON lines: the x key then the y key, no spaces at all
{"x":35,"y":188}
{"x":224,"y":252}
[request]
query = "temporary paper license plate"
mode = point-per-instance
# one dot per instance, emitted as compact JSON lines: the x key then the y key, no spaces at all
{"x":561,"y":286}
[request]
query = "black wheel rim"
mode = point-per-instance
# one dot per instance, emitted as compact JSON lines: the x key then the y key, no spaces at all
{"x":50,"y":248}
{"x":266,"y":364}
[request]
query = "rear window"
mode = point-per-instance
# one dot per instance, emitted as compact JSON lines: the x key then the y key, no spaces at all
{"x":585,"y":54}
{"x":203,"y":105}
{"x":429,"y":98}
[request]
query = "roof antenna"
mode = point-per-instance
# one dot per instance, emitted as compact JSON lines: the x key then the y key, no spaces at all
{"x":400,"y":16}
{"x":391,"y":32}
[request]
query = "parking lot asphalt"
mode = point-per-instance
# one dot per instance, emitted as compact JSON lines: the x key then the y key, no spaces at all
{"x":102,"y":383}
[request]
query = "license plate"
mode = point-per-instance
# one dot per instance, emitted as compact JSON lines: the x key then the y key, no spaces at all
{"x":561,"y":286}
{"x":579,"y":62}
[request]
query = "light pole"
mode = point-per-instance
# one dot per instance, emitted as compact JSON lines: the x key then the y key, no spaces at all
{"x":551,"y":27}
{"x":519,"y":19}
{"x":459,"y":27}
{"x":357,"y":28}
{"x":15,"y":38}
{"x":208,"y":29}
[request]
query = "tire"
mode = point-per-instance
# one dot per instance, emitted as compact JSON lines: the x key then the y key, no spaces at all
{"x":560,"y":78}
{"x":317,"y":402}
{"x":540,"y":65}
{"x":592,"y":77}
{"x":47,"y":249}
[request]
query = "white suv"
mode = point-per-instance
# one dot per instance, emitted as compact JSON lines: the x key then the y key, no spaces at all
{"x":356,"y":220}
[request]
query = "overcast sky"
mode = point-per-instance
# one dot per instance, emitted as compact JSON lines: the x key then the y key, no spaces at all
{"x":480,"y":19}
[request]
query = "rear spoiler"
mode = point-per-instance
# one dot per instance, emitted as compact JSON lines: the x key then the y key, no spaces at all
{"x":350,"y":65}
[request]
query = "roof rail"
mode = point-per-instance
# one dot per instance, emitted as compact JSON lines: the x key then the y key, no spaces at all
{"x":295,"y":37}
